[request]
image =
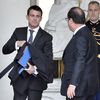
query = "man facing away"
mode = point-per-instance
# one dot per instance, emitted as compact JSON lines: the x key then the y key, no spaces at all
{"x":31,"y":82}
{"x":93,"y":24}
{"x":80,"y":77}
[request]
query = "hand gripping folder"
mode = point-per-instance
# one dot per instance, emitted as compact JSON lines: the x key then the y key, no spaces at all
{"x":24,"y":59}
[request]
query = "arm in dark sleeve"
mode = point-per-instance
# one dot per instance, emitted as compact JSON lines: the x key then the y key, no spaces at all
{"x":9,"y":47}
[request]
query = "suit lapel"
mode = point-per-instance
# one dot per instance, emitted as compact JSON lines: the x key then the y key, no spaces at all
{"x":25,"y":33}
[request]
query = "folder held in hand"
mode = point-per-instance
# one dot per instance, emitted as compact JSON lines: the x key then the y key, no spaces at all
{"x":24,"y":59}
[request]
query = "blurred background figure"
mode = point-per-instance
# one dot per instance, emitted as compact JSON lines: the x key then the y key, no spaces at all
{"x":84,"y":5}
{"x":94,"y":25}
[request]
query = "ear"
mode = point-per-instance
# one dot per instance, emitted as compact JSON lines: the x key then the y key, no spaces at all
{"x":71,"y":21}
{"x":41,"y":18}
{"x":27,"y":17}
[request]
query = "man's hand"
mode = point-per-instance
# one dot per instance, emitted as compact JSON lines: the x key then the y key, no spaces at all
{"x":71,"y":91}
{"x":20,"y":43}
{"x":31,"y":69}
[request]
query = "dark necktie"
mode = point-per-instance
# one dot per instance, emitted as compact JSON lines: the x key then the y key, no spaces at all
{"x":31,"y":36}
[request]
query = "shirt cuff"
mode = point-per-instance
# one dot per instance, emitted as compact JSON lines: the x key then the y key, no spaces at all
{"x":35,"y":71}
{"x":72,"y":85}
{"x":16,"y":47}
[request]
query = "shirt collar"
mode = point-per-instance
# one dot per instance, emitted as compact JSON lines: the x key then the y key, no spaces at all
{"x":78,"y":29}
{"x":94,"y":22}
{"x":35,"y":29}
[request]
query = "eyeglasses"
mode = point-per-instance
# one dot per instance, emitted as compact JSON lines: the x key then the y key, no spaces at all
{"x":66,"y":19}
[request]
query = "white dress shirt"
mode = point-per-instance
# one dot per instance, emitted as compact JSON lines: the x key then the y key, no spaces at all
{"x":34,"y":33}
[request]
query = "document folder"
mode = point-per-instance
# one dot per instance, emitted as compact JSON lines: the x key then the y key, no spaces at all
{"x":24,"y":59}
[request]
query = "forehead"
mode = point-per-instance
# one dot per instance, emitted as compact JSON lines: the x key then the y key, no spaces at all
{"x":94,"y":6}
{"x":32,"y":11}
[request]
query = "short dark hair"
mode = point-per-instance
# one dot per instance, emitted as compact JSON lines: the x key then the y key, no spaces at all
{"x":34,"y":7}
{"x":94,"y":2}
{"x":77,"y":15}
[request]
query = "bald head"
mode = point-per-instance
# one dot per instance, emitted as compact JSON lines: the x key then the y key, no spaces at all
{"x":77,"y":15}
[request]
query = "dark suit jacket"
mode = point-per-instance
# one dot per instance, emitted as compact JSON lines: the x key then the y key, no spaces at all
{"x":80,"y":68}
{"x":41,"y":52}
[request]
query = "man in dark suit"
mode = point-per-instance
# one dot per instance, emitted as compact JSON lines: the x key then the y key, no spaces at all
{"x":93,"y":24}
{"x":33,"y":80}
{"x":80,"y":78}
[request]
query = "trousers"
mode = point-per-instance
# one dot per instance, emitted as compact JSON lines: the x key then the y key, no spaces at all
{"x":29,"y":94}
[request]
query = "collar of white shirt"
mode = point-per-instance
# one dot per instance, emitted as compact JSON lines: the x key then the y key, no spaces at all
{"x":78,"y":29}
{"x":35,"y":32}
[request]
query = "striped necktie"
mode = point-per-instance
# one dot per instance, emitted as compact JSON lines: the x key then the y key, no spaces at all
{"x":31,"y":36}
